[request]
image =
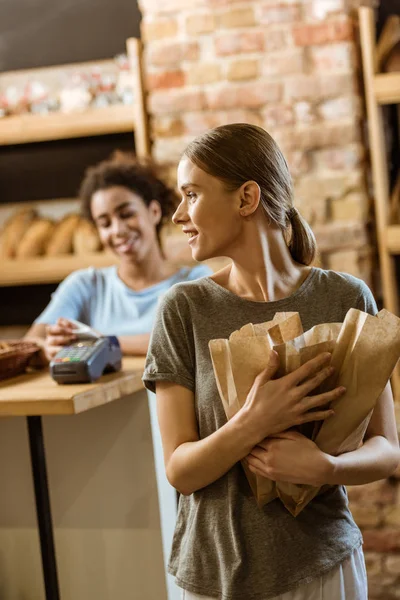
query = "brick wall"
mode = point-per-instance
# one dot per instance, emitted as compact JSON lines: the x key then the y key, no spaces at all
{"x":292,"y":67}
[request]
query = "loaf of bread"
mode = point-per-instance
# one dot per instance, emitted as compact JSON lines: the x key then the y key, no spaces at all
{"x":61,"y":240}
{"x":36,"y":238}
{"x":14,"y":230}
{"x":86,"y":238}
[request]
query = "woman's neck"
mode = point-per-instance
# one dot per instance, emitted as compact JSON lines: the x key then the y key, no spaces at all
{"x":152,"y":269}
{"x":262,"y":269}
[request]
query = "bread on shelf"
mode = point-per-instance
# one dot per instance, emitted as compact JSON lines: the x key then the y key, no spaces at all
{"x":13,"y":231}
{"x":36,"y":238}
{"x":86,"y":238}
{"x":61,"y":241}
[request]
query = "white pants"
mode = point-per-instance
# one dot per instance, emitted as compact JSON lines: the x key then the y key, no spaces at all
{"x":348,"y":581}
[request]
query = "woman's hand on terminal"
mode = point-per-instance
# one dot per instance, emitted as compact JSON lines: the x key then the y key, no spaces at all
{"x":57,"y":336}
{"x":275,"y":405}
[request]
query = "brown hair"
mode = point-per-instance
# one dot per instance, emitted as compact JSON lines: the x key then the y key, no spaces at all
{"x":139,"y":176}
{"x":240,"y":152}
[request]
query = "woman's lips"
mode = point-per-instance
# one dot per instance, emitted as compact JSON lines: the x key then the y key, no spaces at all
{"x":192,"y":238}
{"x":127,"y":246}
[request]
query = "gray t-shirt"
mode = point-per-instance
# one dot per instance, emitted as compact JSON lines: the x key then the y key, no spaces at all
{"x":225,"y":546}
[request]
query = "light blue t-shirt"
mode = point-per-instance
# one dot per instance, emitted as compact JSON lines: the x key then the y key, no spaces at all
{"x":99,"y":298}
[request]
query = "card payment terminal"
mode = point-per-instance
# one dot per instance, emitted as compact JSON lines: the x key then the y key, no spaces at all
{"x":86,"y":360}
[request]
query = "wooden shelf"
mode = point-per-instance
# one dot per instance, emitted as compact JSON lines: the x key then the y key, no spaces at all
{"x":387,"y":88}
{"x":49,"y":269}
{"x":118,"y":118}
{"x":393,"y":239}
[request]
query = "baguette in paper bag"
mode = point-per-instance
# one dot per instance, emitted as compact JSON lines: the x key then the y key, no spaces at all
{"x":365,"y":351}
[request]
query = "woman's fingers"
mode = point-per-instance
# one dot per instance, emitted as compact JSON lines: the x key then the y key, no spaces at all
{"x":321,"y":399}
{"x":60,"y":340}
{"x":317,"y":415}
{"x":309,"y":369}
{"x":308,"y":386}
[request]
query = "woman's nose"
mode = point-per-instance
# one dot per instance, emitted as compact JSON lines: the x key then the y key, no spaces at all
{"x":117,"y":227}
{"x":180,"y":215}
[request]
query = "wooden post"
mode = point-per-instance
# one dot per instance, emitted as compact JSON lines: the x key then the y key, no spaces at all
{"x":142,"y":139}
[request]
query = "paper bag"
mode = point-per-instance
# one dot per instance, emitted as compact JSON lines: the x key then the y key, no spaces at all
{"x":237,"y":362}
{"x":365,"y":350}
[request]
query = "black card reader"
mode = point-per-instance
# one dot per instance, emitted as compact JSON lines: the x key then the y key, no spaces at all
{"x":86,"y":360}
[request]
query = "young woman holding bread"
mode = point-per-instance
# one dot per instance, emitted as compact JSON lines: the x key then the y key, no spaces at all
{"x":237,"y":202}
{"x":128,"y":203}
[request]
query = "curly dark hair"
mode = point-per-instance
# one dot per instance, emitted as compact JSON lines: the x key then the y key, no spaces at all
{"x":141,"y":176}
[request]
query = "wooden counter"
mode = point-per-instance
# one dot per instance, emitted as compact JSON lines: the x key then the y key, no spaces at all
{"x":38,"y":394}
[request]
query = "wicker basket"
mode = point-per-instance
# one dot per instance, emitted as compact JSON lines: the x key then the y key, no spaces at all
{"x":15,"y":356}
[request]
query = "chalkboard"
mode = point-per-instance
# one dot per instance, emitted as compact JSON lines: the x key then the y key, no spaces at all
{"x":40,"y":33}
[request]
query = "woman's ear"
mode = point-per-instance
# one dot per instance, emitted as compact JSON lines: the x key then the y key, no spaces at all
{"x":155,"y":212}
{"x":250,"y":195}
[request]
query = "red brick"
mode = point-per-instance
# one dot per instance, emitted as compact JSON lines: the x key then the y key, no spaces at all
{"x":309,"y":137}
{"x":203,"y":73}
{"x":239,"y":17}
{"x":277,"y":39}
{"x":238,"y":115}
{"x":165,"y":80}
{"x":392,"y":564}
{"x":383,"y":540}
{"x":392,"y":516}
{"x":340,"y":157}
{"x":158,"y":28}
{"x":373,"y":562}
{"x":199,"y":23}
{"x":242,"y":69}
{"x":245,"y":95}
{"x":304,"y":112}
{"x":169,"y":149}
{"x":377,"y":492}
{"x":173,"y":101}
{"x":319,"y":87}
{"x":277,"y":114}
{"x":281,"y":12}
{"x":345,"y":107}
{"x":167,"y":54}
{"x":331,"y":57}
{"x":317,"y":9}
{"x":284,"y":63}
{"x":322,"y":33}
{"x":335,"y":236}
{"x":238,"y":42}
{"x":299,"y":163}
{"x":364,"y":516}
{"x":198,"y":122}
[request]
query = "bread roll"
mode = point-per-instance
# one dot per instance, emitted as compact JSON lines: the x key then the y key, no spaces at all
{"x":86,"y":238}
{"x":13,"y":231}
{"x":61,"y":240}
{"x":35,"y":239}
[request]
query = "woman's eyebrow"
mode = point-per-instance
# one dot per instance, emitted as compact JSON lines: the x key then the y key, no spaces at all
{"x":184,"y":186}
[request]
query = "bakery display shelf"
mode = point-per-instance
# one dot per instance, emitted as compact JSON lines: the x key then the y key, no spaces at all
{"x":393,"y":239}
{"x":387,"y":88}
{"x":23,"y":129}
{"x":43,"y":269}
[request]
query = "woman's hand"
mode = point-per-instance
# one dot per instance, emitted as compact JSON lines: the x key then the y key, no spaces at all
{"x":275,"y":405}
{"x":291,"y":457}
{"x":57,"y":336}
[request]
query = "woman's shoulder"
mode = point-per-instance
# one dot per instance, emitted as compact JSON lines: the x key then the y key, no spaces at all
{"x":339,"y":285}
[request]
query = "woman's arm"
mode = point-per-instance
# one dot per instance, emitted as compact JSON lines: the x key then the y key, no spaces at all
{"x":379,"y":456}
{"x":134,"y":345}
{"x":271,"y":406}
{"x":294,"y":458}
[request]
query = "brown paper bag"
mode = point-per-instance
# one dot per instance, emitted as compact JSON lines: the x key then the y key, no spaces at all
{"x":237,"y":362}
{"x":364,"y":349}
{"x":366,"y":352}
